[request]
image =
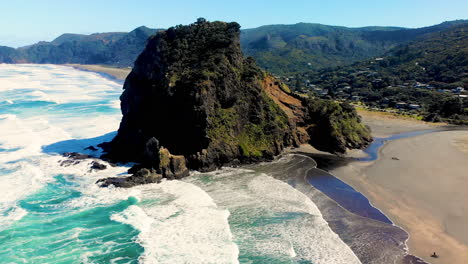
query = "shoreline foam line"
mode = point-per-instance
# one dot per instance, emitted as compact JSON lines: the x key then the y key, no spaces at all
{"x":355,"y":228}
{"x":271,"y":220}
{"x":325,"y":172}
{"x":370,"y":202}
{"x":373,"y":156}
{"x":180,"y":223}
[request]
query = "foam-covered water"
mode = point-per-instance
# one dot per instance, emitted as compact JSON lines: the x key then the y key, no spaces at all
{"x":271,"y":221}
{"x":55,"y":214}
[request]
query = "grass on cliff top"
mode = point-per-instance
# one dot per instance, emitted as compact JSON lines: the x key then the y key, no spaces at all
{"x":252,"y":139}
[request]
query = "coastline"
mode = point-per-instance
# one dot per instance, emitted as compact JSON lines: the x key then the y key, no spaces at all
{"x":387,"y":124}
{"x":117,"y":73}
{"x":423,"y":190}
{"x":428,"y":232}
{"x":372,"y":240}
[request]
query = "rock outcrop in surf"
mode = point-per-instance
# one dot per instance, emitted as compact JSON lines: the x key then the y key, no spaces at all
{"x":192,"y":101}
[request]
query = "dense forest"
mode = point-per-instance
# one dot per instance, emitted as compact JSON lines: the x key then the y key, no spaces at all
{"x":114,"y":48}
{"x":426,"y":76}
{"x":280,"y":49}
{"x":383,"y":67}
{"x":289,"y":49}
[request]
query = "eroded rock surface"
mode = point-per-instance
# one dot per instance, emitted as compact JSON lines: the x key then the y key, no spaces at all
{"x":193,"y":101}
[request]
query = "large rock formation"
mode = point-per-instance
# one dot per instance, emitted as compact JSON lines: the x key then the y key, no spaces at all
{"x":193,"y":94}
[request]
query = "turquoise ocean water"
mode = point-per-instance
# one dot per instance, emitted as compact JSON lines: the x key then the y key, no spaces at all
{"x":55,"y":214}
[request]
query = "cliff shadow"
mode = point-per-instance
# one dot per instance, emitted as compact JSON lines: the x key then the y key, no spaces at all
{"x":79,"y":145}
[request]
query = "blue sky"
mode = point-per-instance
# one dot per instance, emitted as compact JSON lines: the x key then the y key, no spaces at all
{"x":25,"y":22}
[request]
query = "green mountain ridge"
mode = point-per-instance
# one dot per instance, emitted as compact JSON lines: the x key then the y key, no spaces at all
{"x":430,"y":71}
{"x":280,"y":49}
{"x":111,"y":48}
{"x":286,"y":49}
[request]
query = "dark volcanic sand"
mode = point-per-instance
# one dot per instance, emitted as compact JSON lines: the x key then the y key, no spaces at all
{"x":373,"y":241}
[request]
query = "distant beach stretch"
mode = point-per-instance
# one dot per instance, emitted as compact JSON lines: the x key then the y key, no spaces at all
{"x":241,"y":132}
{"x":118,"y":73}
{"x":426,"y":198}
{"x":420,"y":183}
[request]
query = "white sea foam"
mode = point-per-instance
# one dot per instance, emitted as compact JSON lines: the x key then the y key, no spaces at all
{"x":24,"y":167}
{"x":53,"y":83}
{"x":24,"y":179}
{"x":180,"y":223}
{"x":10,"y":215}
{"x":271,"y":218}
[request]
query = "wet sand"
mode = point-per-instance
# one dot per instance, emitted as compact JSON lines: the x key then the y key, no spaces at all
{"x":118,"y":73}
{"x":425,"y":191}
{"x":373,"y":241}
{"x":420,"y":183}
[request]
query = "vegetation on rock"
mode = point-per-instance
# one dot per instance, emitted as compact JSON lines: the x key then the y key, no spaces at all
{"x":280,"y":49}
{"x":192,"y":93}
{"x":337,"y":124}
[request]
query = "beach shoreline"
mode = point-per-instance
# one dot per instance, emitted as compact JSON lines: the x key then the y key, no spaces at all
{"x":405,"y":183}
{"x":400,"y":199}
{"x":117,"y":73}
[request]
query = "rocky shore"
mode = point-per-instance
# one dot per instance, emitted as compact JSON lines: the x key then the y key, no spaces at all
{"x":193,"y":101}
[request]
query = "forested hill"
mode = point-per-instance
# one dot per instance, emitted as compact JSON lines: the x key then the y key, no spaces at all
{"x":430,"y":71}
{"x":286,"y":49}
{"x":281,"y":49}
{"x":438,"y":59}
{"x":114,"y":48}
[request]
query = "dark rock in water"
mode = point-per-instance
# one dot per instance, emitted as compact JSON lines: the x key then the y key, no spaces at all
{"x":73,"y":158}
{"x":68,"y":162}
{"x":192,"y":91}
{"x":201,"y":100}
{"x":76,"y":156}
{"x":142,"y":176}
{"x":172,"y":167}
{"x":135,"y":168}
{"x":151,"y":152}
{"x":97,"y":166}
{"x":92,"y":148}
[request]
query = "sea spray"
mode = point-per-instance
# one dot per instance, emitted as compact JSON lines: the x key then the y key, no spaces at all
{"x":54,"y":213}
{"x":180,"y":223}
{"x":271,"y":221}
{"x":48,"y":112}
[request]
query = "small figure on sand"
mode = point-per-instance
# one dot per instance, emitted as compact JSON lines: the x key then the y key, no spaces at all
{"x":434,"y":255}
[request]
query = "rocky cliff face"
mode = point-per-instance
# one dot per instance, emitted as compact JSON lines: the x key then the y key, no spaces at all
{"x":192,"y":95}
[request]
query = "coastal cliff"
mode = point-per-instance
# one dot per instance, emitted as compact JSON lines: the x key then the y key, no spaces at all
{"x":193,"y":101}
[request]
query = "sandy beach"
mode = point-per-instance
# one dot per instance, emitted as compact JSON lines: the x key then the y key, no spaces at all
{"x":119,"y":73}
{"x":387,"y":124}
{"x":424,"y":190}
{"x":420,"y":183}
